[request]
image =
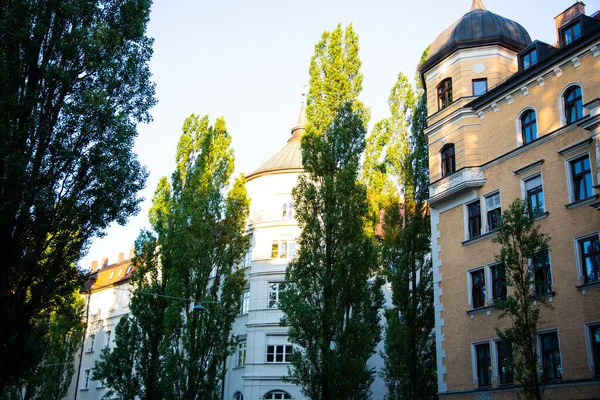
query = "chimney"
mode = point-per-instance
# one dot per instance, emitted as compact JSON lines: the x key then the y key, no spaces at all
{"x":567,"y":15}
{"x":94,"y":266}
{"x":105,"y":262}
{"x":121,"y":257}
{"x":596,"y":15}
{"x":131,"y":253}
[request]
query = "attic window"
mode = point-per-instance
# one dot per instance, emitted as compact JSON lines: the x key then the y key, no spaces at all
{"x":128,"y":270}
{"x":571,"y":33}
{"x":112,"y":274}
{"x":529,"y":58}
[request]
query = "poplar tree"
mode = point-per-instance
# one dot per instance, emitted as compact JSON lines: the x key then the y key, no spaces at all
{"x":332,"y":300}
{"x":396,"y":172}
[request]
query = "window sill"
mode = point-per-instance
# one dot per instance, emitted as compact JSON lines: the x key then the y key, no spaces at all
{"x":582,"y":202}
{"x":480,"y":237}
{"x":240,"y":367}
{"x":547,"y":296}
{"x":539,"y":216}
{"x":591,"y":285}
{"x":84,"y":389}
{"x":480,"y":310}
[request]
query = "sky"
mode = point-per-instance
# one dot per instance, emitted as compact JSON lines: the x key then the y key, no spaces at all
{"x":248,"y":62}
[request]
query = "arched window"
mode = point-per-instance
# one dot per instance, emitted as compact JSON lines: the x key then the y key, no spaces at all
{"x":238,"y":396}
{"x":448,"y":160}
{"x":444,"y":91}
{"x":528,"y":126}
{"x":573,"y":104}
{"x":277,"y":395}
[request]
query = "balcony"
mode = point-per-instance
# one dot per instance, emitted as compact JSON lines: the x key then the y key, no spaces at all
{"x":267,"y":216}
{"x":461,"y":180}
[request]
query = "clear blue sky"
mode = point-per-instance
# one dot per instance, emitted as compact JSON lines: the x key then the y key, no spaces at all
{"x":248,"y":61}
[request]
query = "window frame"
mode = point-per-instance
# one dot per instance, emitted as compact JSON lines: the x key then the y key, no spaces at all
{"x":241,"y":353}
{"x":573,"y":193}
{"x":288,"y":245}
{"x":288,"y":211}
{"x":570,"y":27}
{"x":593,"y":359}
{"x":91,"y":343}
{"x":531,"y":124}
{"x":479,"y":80}
{"x":496,"y":360}
{"x":486,"y":212}
{"x":444,"y":94}
{"x":238,"y":396}
{"x":280,"y":287}
{"x":528,"y":56}
{"x":270,"y":395}
{"x":579,"y":254}
{"x":526,"y":192}
{"x":494,"y":280}
{"x":285,"y":354}
{"x":107,"y":337}
{"x":541,"y":353}
{"x":475,"y":363}
{"x":87,"y":377}
{"x":245,"y":306}
{"x":476,"y":218}
{"x":534,"y":268}
{"x":563,"y":103}
{"x":471,"y":288}
{"x":445,"y":158}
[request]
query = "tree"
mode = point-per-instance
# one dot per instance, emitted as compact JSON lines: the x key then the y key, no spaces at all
{"x":50,"y":380}
{"x":522,"y":242}
{"x":331,"y":301}
{"x":191,"y":256}
{"x":396,"y":172}
{"x":74,"y":83}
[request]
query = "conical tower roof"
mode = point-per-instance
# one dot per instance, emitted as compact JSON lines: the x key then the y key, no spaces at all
{"x":289,"y":158}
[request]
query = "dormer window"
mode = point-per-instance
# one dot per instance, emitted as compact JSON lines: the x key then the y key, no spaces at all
{"x":448,"y":160}
{"x":529,"y":58}
{"x":571,"y":33}
{"x":444,"y":91}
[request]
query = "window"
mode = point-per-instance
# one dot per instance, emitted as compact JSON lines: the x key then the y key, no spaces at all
{"x":112,"y":274}
{"x":85,"y":384}
{"x":479,"y":86}
{"x":283,"y":249}
{"x":494,"y":212}
{"x":573,"y":102}
{"x":484,"y":364}
{"x":589,"y":249}
{"x":550,"y":352}
{"x":542,"y":276}
{"x":107,"y":336}
{"x":595,"y":347}
{"x":274,"y":290}
{"x":499,"y":290}
{"x":581,"y":178}
{"x":128,"y":271}
{"x":247,"y":261}
{"x":448,"y":160}
{"x":280,"y":353}
{"x":91,"y":341}
{"x":528,"y":126}
{"x":444,"y":91}
{"x":474,"y":210}
{"x":238,"y":396}
{"x":288,"y":211}
{"x":478,"y":288}
{"x":277,"y":395}
{"x":534,"y":193}
{"x":505,"y":363}
{"x":571,"y":33}
{"x":529,"y":58}
{"x":241,"y":354}
{"x":245,"y":301}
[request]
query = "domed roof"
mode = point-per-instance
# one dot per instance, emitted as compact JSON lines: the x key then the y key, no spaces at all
{"x":289,"y":157}
{"x":478,"y":27}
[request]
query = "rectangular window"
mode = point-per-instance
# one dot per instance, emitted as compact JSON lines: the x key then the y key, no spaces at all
{"x":288,"y":211}
{"x":571,"y":33}
{"x":505,"y":363}
{"x":589,"y":249}
{"x":241,"y":354}
{"x":499,"y":290}
{"x":595,"y":347}
{"x":478,"y":288}
{"x":107,"y":338}
{"x":535,"y":195}
{"x":542,"y":275}
{"x":484,"y":364}
{"x":551,"y":355}
{"x":479,"y":86}
{"x":283,"y":249}
{"x":91,"y":341}
{"x":474,"y":210}
{"x":85,"y":384}
{"x":245,"y":301}
{"x":247,"y":261}
{"x":581,"y":178}
{"x":493,"y":210}
{"x":274,"y":291}
{"x":529,"y":59}
{"x":279,"y":353}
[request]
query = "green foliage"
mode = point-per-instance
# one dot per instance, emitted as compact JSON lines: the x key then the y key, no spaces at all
{"x":74,"y":83}
{"x":521,"y":242}
{"x":198,"y":240}
{"x":331,"y":304}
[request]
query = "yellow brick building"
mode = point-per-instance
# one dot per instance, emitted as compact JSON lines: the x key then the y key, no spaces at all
{"x":510,"y":118}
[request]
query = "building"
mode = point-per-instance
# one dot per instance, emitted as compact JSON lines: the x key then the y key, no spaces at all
{"x":511,"y":118}
{"x":107,"y":300}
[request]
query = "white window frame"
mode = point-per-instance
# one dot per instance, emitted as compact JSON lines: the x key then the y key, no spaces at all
{"x":107,"y":339}
{"x":276,"y":346}
{"x":277,"y":294}
{"x":91,"y":343}
{"x":579,"y":255}
{"x":289,"y":244}
{"x":287,"y":213}
{"x":519,"y":125}
{"x":484,"y":210}
{"x":87,"y":377}
{"x":238,"y":396}
{"x":539,"y":348}
{"x":588,"y":344}
{"x":524,"y":187}
{"x":474,"y":361}
{"x":245,"y":301}
{"x":470,"y":286}
{"x":241,"y":347}
{"x":561,"y":101}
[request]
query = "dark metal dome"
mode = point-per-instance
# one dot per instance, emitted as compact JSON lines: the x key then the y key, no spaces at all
{"x":476,"y":28}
